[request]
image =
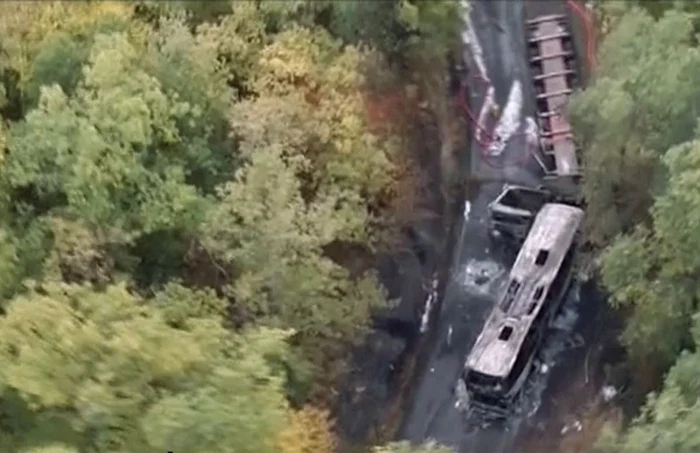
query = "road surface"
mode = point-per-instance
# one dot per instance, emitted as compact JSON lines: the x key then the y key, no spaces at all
{"x":479,"y":270}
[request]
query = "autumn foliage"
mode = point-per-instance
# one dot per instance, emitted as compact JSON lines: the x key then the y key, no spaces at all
{"x":173,"y":176}
{"x":310,"y":430}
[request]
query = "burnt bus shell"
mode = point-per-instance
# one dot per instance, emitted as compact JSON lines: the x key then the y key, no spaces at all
{"x":502,"y":357}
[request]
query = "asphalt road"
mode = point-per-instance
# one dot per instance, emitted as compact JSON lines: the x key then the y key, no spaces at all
{"x":479,"y":270}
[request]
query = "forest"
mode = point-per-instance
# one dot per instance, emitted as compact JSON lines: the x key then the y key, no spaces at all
{"x":638,"y":126}
{"x":191,"y":197}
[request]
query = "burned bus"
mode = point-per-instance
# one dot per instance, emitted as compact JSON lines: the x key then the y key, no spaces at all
{"x":502,"y":356}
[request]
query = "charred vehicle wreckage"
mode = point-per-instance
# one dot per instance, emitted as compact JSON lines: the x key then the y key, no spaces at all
{"x":543,"y":223}
{"x":511,"y":214}
{"x":503,"y":354}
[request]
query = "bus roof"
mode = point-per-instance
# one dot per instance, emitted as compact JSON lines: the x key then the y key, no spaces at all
{"x":535,"y":268}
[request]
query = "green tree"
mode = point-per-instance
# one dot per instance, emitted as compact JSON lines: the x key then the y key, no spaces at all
{"x":374,"y":23}
{"x":305,"y":78}
{"x":263,"y":227}
{"x":9,"y":264}
{"x":240,"y":407}
{"x":638,"y":106}
{"x":118,"y":155}
{"x":141,"y":137}
{"x":54,"y":448}
{"x":669,"y":421}
{"x":653,"y":271}
{"x":44,"y":41}
{"x":398,"y":27}
{"x":312,"y":171}
{"x":126,"y":376}
{"x":189,"y":69}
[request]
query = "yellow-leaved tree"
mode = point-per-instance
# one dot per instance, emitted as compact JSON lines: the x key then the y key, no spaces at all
{"x":309,"y":430}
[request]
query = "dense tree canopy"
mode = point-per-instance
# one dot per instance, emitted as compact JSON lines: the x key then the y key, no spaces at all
{"x":638,"y":122}
{"x":655,"y":272}
{"x":173,"y":179}
{"x":669,"y":421}
{"x":124,"y":374}
{"x":642,"y":102}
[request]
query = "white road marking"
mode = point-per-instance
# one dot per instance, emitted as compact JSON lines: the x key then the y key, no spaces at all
{"x":429,"y":301}
{"x":532,"y":134}
{"x":486,"y":109}
{"x":511,"y":117}
{"x":510,"y":120}
{"x":470,"y":39}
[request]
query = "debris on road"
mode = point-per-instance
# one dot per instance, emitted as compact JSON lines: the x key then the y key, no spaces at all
{"x":608,"y":392}
{"x":574,"y":426}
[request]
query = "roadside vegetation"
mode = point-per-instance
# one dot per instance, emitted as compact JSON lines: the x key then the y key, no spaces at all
{"x":638,"y":125}
{"x":192,"y":195}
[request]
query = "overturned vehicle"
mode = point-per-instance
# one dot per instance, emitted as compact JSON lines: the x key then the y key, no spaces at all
{"x":502,"y":357}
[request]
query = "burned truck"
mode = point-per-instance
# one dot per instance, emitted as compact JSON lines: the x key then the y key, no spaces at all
{"x":554,"y":78}
{"x":501,"y":358}
{"x":511,"y":214}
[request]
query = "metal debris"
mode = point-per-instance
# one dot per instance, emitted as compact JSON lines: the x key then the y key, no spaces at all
{"x":608,"y":392}
{"x":430,"y":300}
{"x":462,"y":395}
{"x":426,"y":313}
{"x":574,"y":426}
